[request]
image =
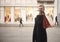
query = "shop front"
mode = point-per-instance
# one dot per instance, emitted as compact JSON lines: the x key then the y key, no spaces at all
{"x":11,"y":13}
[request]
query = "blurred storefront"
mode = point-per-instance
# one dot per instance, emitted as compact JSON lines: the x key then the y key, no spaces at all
{"x":12,"y":10}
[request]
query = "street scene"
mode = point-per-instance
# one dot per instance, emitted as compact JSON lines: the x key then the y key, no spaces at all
{"x":24,"y":34}
{"x":20,"y":19}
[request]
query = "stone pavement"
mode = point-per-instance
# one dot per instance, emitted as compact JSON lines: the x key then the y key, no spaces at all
{"x":24,"y":34}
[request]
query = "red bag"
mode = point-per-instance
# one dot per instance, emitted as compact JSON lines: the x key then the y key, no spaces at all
{"x":46,"y":23}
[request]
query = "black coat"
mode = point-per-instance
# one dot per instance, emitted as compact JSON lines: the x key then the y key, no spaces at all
{"x":39,"y":33}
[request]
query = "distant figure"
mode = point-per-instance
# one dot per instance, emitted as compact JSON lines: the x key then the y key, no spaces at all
{"x":51,"y":17}
{"x":21,"y":24}
{"x":56,"y":22}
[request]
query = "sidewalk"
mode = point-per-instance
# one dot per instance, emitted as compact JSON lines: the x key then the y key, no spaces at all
{"x":24,"y":34}
{"x":15,"y":25}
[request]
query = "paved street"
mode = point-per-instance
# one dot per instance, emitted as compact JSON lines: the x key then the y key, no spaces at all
{"x":24,"y":34}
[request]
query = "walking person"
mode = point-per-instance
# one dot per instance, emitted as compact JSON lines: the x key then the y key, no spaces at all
{"x":39,"y":32}
{"x":21,"y":24}
{"x":56,"y":22}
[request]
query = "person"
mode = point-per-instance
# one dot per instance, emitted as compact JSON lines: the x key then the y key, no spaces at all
{"x":51,"y":17}
{"x":56,"y":22}
{"x":21,"y":24}
{"x":39,"y":32}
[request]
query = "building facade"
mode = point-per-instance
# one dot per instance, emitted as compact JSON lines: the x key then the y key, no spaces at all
{"x":12,"y":10}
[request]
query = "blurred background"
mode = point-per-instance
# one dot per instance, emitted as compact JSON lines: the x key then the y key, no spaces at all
{"x":12,"y":10}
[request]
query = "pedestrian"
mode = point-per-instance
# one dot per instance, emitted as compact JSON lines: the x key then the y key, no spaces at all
{"x":21,"y":24}
{"x":56,"y":22}
{"x":39,"y":32}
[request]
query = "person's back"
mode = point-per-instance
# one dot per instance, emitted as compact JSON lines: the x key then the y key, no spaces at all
{"x":56,"y":22}
{"x":21,"y":20}
{"x":56,"y":18}
{"x":21,"y":24}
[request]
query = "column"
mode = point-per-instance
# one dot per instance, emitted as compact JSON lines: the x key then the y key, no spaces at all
{"x":12,"y":15}
{"x":1,"y":2}
{"x":23,"y":14}
{"x":2,"y":15}
{"x":55,"y":9}
{"x":58,"y":11}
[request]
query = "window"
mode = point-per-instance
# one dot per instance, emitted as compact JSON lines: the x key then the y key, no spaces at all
{"x":29,"y":14}
{"x":7,"y":11}
{"x":17,"y":14}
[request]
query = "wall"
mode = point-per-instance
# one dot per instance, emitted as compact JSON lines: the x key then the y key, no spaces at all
{"x":15,"y":3}
{"x":18,"y":2}
{"x":58,"y":11}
